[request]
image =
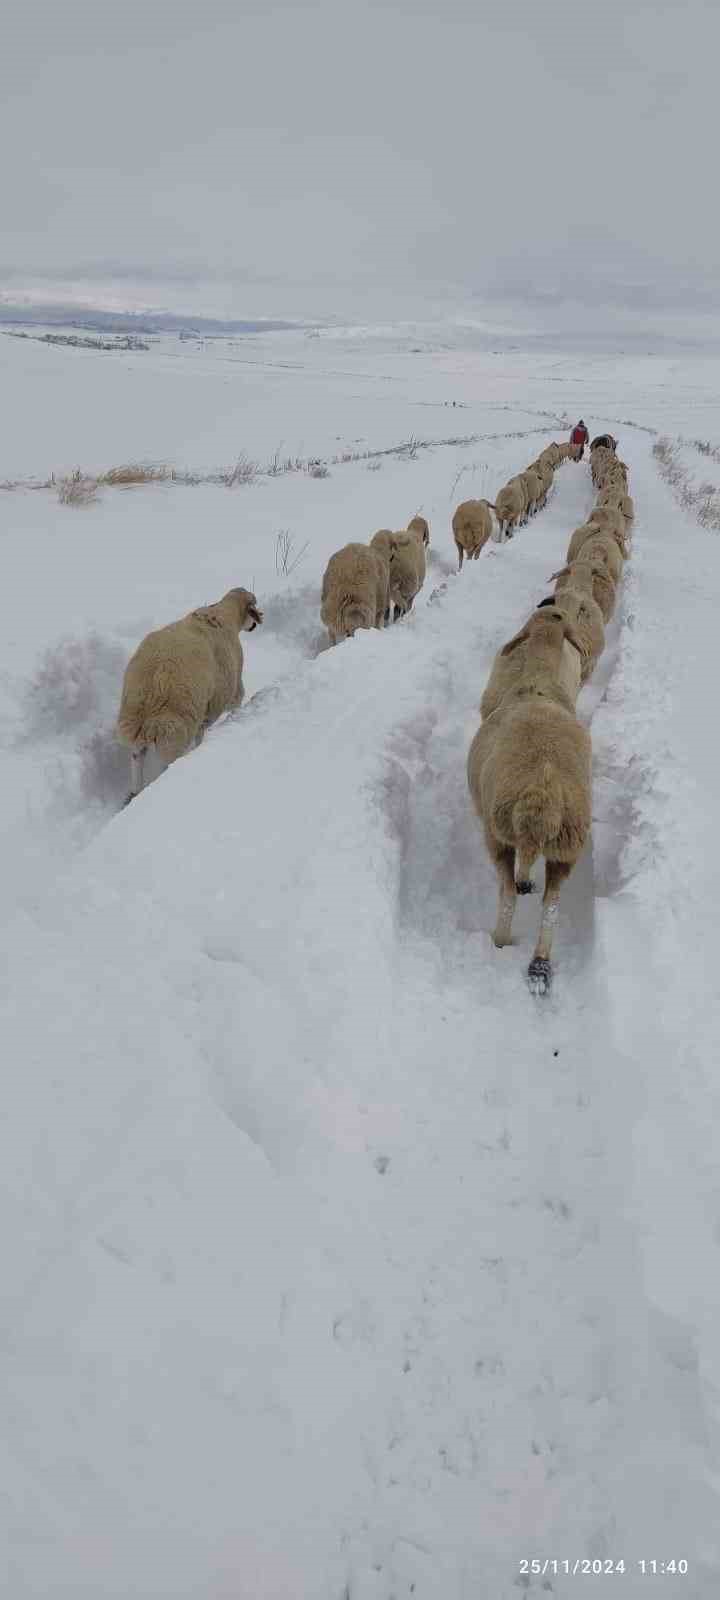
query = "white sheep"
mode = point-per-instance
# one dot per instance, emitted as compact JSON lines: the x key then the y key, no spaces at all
{"x":181,"y":679}
{"x":591,"y":578}
{"x":510,"y":506}
{"x":533,"y":486}
{"x":407,"y":567}
{"x":356,"y":588}
{"x":531,"y":657}
{"x":472,"y":526}
{"x":578,"y":606}
{"x":590,"y":533}
{"x":529,"y":777}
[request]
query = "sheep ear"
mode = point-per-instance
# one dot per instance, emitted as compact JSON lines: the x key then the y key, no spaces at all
{"x":561,"y":574}
{"x":512,"y":644}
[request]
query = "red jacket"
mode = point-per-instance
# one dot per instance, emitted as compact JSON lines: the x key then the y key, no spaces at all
{"x":579,"y":435}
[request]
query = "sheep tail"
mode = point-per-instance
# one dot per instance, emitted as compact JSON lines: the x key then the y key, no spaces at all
{"x":161,"y":728}
{"x":537,"y":818}
{"x":351,"y":616}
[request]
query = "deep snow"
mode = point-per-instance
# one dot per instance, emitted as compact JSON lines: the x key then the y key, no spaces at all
{"x":335,"y":1266}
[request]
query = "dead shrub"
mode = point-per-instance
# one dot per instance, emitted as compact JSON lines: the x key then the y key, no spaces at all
{"x":77,"y":490}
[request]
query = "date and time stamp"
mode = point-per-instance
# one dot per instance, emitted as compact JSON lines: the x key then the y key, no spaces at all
{"x":586,"y":1567}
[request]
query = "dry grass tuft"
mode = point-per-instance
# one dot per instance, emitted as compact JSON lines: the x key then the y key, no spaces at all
{"x":132,"y":473}
{"x":77,"y":490}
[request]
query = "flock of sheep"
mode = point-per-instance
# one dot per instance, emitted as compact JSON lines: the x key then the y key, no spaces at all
{"x":364,"y":584}
{"x":184,"y":676}
{"x":529,"y":763}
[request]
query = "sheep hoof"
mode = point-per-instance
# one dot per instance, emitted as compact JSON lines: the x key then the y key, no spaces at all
{"x":525,"y":886}
{"x":539,"y":975}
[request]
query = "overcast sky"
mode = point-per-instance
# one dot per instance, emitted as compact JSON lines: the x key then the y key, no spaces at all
{"x":522,"y":144}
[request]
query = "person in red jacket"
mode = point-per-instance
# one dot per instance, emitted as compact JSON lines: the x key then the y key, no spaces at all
{"x":578,"y":439}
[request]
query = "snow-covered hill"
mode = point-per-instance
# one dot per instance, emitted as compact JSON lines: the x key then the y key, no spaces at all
{"x":336,"y":1267}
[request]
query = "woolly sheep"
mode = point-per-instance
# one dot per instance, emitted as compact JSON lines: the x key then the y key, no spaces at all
{"x":601,"y":551}
{"x":609,"y":518}
{"x":600,"y":459}
{"x":592,"y":578}
{"x":418,"y":525}
{"x":545,"y":473}
{"x":576,"y":603}
{"x":181,"y":679}
{"x":355,"y":590}
{"x":531,"y":658}
{"x":509,"y":506}
{"x":528,"y":773}
{"x":533,"y":486}
{"x":615,"y":496}
{"x":588,"y":534}
{"x":472,"y":526}
{"x":406,"y":554}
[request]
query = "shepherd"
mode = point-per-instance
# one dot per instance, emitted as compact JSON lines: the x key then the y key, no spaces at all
{"x":578,"y":439}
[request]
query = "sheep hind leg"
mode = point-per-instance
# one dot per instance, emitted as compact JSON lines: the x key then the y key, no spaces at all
{"x":505,"y":864}
{"x":540,"y":968}
{"x":137,"y":784}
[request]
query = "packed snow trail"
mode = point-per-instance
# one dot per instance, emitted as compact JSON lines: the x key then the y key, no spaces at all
{"x":336,"y":1266}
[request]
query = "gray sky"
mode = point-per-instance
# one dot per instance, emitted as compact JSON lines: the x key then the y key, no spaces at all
{"x":536,"y":145}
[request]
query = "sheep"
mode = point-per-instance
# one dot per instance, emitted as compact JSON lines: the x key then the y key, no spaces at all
{"x":614,"y":496}
{"x":608,"y":519}
{"x":545,"y":473}
{"x":588,"y":534}
{"x":591,"y":578}
{"x":509,"y":506}
{"x":601,"y":551}
{"x":576,"y":603}
{"x":419,"y":525}
{"x":406,"y":555}
{"x":627,"y":507}
{"x":181,"y":679}
{"x":600,"y":459}
{"x":528,"y":772}
{"x":472,"y":526}
{"x":356,"y":589}
{"x":533,"y":487}
{"x":531,"y":657}
{"x":604,"y":441}
{"x":552,"y":454}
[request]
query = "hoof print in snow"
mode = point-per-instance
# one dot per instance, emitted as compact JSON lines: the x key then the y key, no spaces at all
{"x":525,"y":886}
{"x":539,"y":976}
{"x":381,"y":1164}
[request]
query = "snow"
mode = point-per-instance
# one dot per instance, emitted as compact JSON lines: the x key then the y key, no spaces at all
{"x":336,"y":1267}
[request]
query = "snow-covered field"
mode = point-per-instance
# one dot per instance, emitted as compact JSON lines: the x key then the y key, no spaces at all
{"x":336,"y":1267}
